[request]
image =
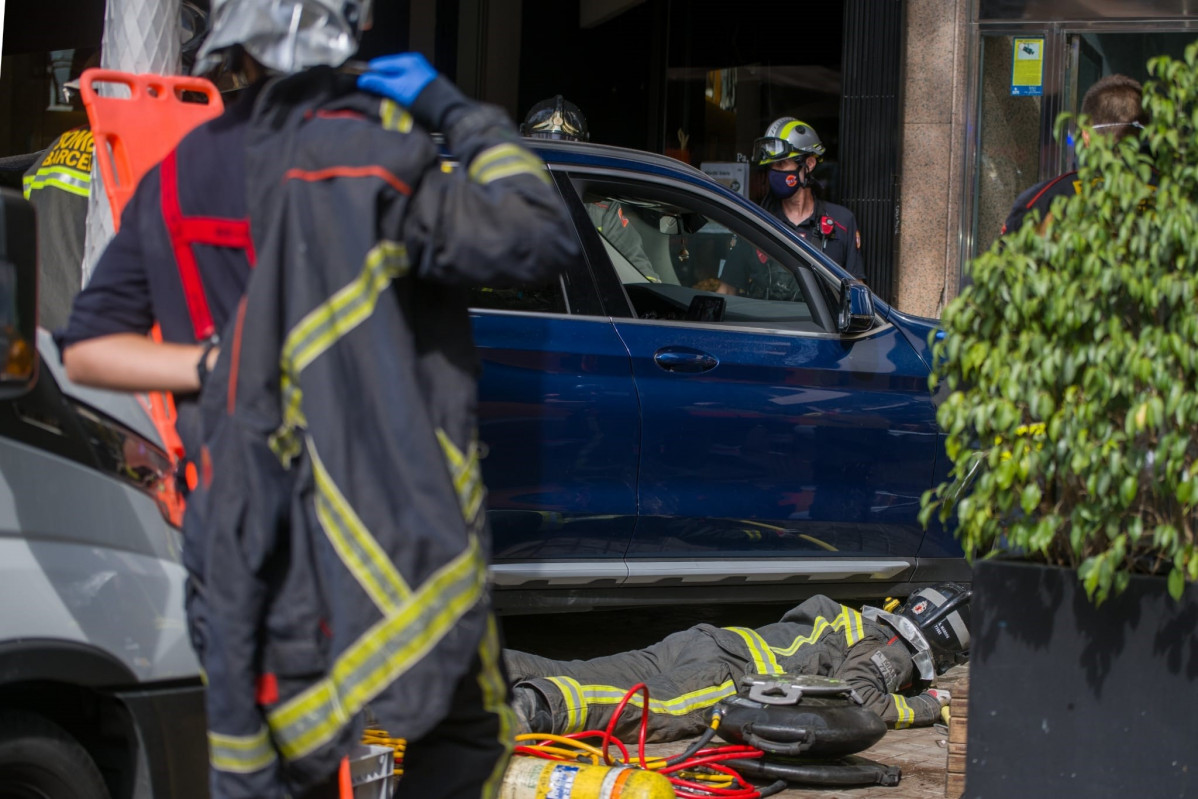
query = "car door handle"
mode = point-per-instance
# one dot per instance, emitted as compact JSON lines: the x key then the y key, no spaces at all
{"x":684,"y":359}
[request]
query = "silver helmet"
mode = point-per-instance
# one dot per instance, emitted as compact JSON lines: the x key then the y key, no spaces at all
{"x":787,"y":138}
{"x":285,"y":35}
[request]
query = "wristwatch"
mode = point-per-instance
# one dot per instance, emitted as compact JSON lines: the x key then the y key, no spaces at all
{"x":202,"y":364}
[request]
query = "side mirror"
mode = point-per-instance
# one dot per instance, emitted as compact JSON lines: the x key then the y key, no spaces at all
{"x":18,"y":295}
{"x":856,"y":314}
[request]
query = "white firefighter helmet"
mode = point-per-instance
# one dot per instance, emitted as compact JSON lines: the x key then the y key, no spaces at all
{"x":787,"y":138}
{"x":285,"y":35}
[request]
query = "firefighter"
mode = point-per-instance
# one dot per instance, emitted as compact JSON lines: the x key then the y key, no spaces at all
{"x":1113,"y":106}
{"x":789,"y":152}
{"x":336,"y":544}
{"x":558,"y":118}
{"x":888,"y":658}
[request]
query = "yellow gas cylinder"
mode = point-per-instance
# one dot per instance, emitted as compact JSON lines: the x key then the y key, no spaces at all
{"x":537,"y":778}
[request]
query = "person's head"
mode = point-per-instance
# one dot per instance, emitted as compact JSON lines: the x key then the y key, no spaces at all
{"x":1113,"y":105}
{"x":284,"y":36}
{"x":555,"y":118}
{"x":790,"y":149}
{"x":941,"y":612}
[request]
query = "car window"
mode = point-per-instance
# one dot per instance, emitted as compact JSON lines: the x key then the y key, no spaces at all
{"x":691,"y":262}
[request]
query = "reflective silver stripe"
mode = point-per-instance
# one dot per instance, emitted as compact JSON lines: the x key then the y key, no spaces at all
{"x":763,"y":659}
{"x":503,"y":161}
{"x":576,"y":709}
{"x":388,"y":649}
{"x":854,"y":627}
{"x":353,"y":543}
{"x":324,"y":325}
{"x":494,"y":691}
{"x":906,"y":716}
{"x":677,"y":706}
{"x":69,"y":180}
{"x":240,"y":754}
{"x":467,"y":476}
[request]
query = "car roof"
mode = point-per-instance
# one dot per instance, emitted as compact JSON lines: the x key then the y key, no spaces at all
{"x":576,"y":153}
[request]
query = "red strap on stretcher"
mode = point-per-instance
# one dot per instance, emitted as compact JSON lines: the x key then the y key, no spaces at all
{"x":187,"y":231}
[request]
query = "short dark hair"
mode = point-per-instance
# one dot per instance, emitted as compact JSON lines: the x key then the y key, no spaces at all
{"x":1115,"y":99}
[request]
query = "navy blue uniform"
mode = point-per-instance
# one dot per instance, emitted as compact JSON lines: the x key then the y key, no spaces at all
{"x":831,"y":228}
{"x":1039,"y":198}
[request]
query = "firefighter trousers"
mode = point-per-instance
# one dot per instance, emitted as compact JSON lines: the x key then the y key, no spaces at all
{"x":686,"y":674}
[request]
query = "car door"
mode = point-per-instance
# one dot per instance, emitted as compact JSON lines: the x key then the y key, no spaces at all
{"x":773,"y":448}
{"x":559,"y":421}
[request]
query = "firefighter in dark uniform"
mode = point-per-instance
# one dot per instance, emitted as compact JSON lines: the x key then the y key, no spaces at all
{"x":558,"y":118}
{"x":888,"y":658}
{"x":1113,"y":105}
{"x":789,"y":151}
{"x":184,"y":257}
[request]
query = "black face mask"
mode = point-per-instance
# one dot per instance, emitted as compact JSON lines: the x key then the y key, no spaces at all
{"x":785,"y":184}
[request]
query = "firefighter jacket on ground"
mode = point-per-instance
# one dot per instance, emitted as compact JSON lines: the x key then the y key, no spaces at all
{"x":58,"y":185}
{"x":341,"y":509}
{"x":690,"y":671}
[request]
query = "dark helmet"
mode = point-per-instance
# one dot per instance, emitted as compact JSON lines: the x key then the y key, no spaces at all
{"x":556,"y":118}
{"x":942,"y":614}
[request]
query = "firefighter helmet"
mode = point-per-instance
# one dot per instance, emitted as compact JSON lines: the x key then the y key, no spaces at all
{"x":285,"y":35}
{"x":787,"y":138}
{"x":555,"y":118}
{"x":942,"y":614}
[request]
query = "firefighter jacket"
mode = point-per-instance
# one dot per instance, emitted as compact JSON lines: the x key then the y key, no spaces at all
{"x":342,"y":511}
{"x":58,"y":185}
{"x":688,"y":672}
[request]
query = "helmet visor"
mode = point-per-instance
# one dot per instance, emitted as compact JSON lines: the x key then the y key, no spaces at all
{"x":771,"y":150}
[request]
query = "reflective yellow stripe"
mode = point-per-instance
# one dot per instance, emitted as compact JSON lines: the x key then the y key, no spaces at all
{"x":395,"y":117}
{"x":494,"y":691}
{"x":467,"y":476}
{"x":329,"y":321}
{"x":818,"y":629}
{"x":851,"y":623}
{"x":763,"y":659}
{"x":357,"y":548}
{"x":503,"y":161}
{"x":906,"y":716}
{"x":576,"y":709}
{"x":384,"y":652}
{"x":70,"y":180}
{"x":789,"y":128}
{"x":240,"y":754}
{"x":677,"y":706}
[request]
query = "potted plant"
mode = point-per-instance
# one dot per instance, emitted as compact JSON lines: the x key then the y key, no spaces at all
{"x":1068,"y":371}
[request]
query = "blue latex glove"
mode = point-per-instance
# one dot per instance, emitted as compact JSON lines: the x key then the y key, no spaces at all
{"x":399,"y":77}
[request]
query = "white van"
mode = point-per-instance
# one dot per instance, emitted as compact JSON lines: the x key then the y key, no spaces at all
{"x":100,"y":692}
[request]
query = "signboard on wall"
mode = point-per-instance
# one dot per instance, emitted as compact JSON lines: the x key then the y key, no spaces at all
{"x":1027,"y":66}
{"x":733,"y":174}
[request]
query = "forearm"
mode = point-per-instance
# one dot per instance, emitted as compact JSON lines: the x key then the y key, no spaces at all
{"x":132,"y":362}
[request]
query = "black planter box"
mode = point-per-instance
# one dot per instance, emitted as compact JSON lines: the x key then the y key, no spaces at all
{"x":1067,"y":700}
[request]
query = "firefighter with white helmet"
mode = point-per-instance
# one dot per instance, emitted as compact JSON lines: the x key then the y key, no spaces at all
{"x":789,"y":152}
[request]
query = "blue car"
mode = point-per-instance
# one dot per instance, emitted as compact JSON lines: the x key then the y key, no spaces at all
{"x":704,"y":408}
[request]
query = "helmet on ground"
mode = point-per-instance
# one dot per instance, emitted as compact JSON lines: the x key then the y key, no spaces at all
{"x":285,"y":35}
{"x":942,"y":614}
{"x":786,"y":138}
{"x":556,"y":118}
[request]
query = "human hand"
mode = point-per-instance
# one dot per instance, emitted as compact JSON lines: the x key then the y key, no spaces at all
{"x":399,"y":77}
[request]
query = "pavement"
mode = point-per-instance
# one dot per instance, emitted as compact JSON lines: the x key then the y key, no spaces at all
{"x":921,"y":753}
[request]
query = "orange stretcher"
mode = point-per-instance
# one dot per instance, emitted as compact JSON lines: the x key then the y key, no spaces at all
{"x":131,"y":135}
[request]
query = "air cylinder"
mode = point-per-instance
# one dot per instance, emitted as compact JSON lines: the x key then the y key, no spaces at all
{"x":537,"y":778}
